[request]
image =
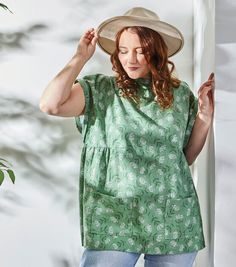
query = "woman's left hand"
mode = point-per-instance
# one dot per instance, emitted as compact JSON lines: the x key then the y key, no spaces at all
{"x":206,"y":100}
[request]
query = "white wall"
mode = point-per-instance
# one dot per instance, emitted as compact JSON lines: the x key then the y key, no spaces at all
{"x":225,"y":131}
{"x":204,"y":172}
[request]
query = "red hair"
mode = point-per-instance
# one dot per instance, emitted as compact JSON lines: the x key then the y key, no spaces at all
{"x":155,"y":52}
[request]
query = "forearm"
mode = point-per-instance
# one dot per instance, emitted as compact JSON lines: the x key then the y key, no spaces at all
{"x":197,"y":138}
{"x":59,"y":89}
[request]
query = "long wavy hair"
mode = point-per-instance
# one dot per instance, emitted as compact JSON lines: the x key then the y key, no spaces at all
{"x":161,"y":68}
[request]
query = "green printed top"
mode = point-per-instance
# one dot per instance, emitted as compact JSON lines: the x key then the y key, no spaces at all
{"x":136,"y":190}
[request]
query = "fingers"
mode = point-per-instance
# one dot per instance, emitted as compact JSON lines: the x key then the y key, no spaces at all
{"x":90,"y":36}
{"x":205,"y":96}
{"x":206,"y":104}
{"x":211,"y":99}
{"x":95,"y":38}
{"x":208,"y":85}
{"x":207,"y":90}
{"x":212,"y":76}
{"x":210,"y":81}
{"x":89,"y":33}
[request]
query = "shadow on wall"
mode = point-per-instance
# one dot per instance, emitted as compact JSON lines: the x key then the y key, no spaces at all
{"x":44,"y":150}
{"x":45,"y":155}
{"x":16,"y":40}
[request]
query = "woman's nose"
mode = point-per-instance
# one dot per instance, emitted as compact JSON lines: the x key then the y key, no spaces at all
{"x":132,"y":58}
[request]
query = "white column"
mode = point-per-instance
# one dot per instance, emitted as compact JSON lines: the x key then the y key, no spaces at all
{"x":225,"y":131}
{"x":204,"y":22}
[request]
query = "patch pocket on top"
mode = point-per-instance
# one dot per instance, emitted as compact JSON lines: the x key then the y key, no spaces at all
{"x":182,"y":218}
{"x":111,"y":215}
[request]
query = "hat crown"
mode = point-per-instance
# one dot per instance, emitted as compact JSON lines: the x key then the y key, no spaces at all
{"x":142,"y":12}
{"x":138,"y":17}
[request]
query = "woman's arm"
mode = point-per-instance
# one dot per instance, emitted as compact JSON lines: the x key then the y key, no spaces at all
{"x":62,"y":97}
{"x":203,"y":120}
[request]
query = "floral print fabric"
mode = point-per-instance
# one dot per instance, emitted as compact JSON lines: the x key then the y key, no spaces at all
{"x":136,"y":190}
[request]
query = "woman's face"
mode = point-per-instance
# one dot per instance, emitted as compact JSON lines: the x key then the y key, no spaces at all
{"x":131,"y":55}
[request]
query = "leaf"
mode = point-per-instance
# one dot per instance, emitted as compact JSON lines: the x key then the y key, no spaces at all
{"x":1,"y":177}
{"x":5,"y":168}
{"x":5,"y":161}
{"x":11,"y":175}
{"x":3,"y":165}
{"x":5,"y":7}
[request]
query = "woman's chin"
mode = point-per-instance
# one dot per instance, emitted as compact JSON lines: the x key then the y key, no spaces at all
{"x":133,"y":75}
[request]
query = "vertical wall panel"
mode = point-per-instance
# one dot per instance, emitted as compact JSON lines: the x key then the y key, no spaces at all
{"x":204,"y":57}
{"x":225,"y":129}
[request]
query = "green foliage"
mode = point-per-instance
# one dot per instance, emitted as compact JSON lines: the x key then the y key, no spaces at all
{"x":6,"y":8}
{"x":4,"y":168}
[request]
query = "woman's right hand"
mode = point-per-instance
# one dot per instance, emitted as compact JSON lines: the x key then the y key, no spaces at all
{"x":87,"y":44}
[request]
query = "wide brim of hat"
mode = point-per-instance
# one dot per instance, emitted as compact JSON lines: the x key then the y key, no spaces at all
{"x":108,"y":29}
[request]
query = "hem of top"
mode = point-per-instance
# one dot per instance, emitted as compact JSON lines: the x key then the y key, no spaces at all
{"x":143,"y":251}
{"x":161,"y":248}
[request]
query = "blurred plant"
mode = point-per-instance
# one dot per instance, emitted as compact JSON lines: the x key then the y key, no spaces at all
{"x":5,"y":7}
{"x":3,"y":167}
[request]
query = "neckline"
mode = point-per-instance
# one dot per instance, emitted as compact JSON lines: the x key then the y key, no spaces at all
{"x":143,"y":81}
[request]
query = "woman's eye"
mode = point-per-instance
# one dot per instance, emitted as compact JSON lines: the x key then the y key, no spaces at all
{"x":140,"y":52}
{"x":123,"y":52}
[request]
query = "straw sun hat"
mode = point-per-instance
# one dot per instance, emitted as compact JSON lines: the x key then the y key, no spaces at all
{"x":139,"y":16}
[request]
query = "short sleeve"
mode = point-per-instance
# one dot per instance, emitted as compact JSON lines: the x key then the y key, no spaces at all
{"x":193,"y":109}
{"x":94,"y":88}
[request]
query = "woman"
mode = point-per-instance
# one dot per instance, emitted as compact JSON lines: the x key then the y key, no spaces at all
{"x":141,"y":129}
